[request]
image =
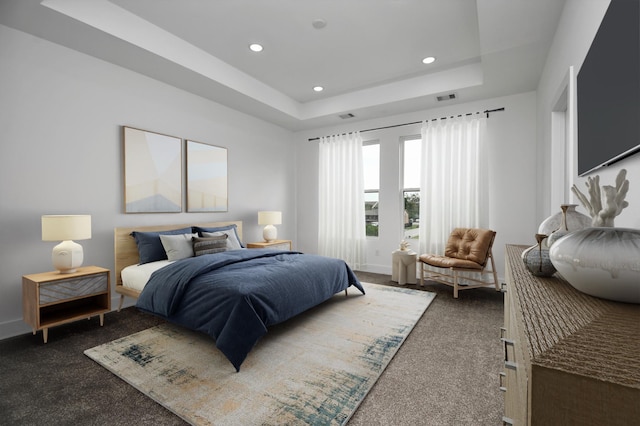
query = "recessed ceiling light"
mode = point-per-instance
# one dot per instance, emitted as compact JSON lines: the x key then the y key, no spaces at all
{"x":319,"y":24}
{"x":429,"y":60}
{"x":318,"y":89}
{"x":256,"y":47}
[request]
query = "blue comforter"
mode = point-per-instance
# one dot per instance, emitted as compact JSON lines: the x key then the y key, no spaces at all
{"x":235,"y":295}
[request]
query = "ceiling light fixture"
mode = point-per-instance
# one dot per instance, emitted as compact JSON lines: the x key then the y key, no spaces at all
{"x":255,"y":47}
{"x":429,"y":60}
{"x":319,"y":24}
{"x":318,"y":89}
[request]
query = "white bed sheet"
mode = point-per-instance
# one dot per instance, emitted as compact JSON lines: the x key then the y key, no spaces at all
{"x":136,"y":277}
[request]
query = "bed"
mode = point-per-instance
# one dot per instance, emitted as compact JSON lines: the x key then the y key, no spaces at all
{"x":228,"y":292}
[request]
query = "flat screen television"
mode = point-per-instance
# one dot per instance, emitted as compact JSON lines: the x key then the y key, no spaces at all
{"x":608,"y":90}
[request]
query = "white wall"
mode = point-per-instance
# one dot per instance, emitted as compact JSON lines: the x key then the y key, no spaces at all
{"x":577,"y":28}
{"x":61,"y":114}
{"x":511,"y":138}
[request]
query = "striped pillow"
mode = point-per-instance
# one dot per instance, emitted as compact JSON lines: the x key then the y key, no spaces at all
{"x":209,"y":245}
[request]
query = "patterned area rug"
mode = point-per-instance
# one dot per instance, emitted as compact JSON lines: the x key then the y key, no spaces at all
{"x":313,"y":369}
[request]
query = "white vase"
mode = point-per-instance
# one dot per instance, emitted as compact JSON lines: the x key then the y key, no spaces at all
{"x":574,"y":220}
{"x":601,"y":262}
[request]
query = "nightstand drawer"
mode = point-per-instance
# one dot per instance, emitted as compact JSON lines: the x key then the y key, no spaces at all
{"x":275,"y":244}
{"x":281,"y":246}
{"x":72,"y":288}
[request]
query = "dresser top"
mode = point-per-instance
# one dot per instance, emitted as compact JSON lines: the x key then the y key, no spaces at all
{"x":571,"y":331}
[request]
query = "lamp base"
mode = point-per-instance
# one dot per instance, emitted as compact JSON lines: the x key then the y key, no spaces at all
{"x":270,"y":233}
{"x":67,"y":256}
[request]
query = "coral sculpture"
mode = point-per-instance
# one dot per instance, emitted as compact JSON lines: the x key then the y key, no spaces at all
{"x":602,"y":216}
{"x":404,"y":245}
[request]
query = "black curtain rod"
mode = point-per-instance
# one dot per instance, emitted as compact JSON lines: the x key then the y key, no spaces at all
{"x":487,"y":112}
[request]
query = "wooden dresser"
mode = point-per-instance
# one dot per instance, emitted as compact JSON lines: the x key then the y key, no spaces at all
{"x":570,"y":358}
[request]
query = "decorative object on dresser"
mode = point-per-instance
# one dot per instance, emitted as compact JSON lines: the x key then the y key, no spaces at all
{"x":613,"y":198}
{"x":567,"y":219}
{"x":275,"y":244}
{"x":570,"y":220}
{"x":570,"y":358}
{"x":68,"y":255}
{"x":602,"y":261}
{"x":536,"y":258}
{"x":269,"y":219}
{"x":50,"y":298}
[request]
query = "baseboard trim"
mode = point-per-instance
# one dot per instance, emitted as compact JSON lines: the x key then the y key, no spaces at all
{"x":13,"y":328}
{"x":376,"y":269}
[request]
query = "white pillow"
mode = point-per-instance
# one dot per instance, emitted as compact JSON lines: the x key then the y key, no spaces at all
{"x":178,"y":246}
{"x":232,"y":238}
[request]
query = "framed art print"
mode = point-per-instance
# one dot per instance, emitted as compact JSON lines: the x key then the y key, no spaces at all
{"x":152,"y":172}
{"x":206,"y":177}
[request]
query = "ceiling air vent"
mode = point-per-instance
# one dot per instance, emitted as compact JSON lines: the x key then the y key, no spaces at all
{"x":347,"y":115}
{"x":446,"y":97}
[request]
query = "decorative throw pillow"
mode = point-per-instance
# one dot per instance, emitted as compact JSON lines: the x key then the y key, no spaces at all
{"x":178,"y":246}
{"x":233,"y":242}
{"x":209,"y":245}
{"x":149,"y":245}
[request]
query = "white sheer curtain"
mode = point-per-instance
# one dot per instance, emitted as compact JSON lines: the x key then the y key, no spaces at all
{"x":341,"y":228}
{"x":453,"y":183}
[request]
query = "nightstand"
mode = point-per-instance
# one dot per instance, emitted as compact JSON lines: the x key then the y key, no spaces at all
{"x":52,"y":298}
{"x":275,"y":244}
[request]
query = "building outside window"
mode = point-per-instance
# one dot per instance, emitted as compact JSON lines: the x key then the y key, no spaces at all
{"x":371,"y":165}
{"x":412,"y":150}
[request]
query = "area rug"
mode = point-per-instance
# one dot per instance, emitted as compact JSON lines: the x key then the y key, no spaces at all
{"x":313,"y":369}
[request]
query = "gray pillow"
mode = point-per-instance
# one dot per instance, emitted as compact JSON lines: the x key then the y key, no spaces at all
{"x":178,"y":246}
{"x":209,"y":245}
{"x":231,"y":238}
{"x":233,"y":243}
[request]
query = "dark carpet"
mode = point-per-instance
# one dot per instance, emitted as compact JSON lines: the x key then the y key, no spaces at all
{"x":446,"y":372}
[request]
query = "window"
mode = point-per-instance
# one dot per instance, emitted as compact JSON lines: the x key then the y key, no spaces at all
{"x":412,"y":150}
{"x":371,"y":165}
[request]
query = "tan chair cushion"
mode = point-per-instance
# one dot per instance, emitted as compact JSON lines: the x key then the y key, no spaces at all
{"x":469,"y":244}
{"x":449,"y":262}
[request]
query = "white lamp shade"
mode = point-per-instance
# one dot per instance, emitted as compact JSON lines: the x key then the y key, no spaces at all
{"x":270,"y":233}
{"x":68,"y":255}
{"x":66,"y":227}
{"x":269,"y":218}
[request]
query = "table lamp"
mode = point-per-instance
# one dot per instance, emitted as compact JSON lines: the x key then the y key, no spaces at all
{"x":269,"y":219}
{"x":68,"y":255}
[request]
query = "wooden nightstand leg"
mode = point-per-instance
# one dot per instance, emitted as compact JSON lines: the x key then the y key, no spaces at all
{"x":45,"y":334}
{"x":101,"y":320}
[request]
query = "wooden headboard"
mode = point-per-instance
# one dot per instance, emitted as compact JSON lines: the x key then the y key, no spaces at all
{"x":126,"y":251}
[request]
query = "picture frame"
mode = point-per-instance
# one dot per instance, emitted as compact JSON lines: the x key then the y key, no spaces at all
{"x":207,"y":181}
{"x":152,"y":172}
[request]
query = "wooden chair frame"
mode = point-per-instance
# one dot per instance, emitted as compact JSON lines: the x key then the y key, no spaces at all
{"x":450,"y":276}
